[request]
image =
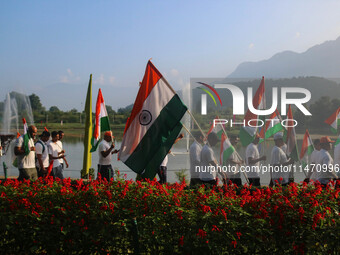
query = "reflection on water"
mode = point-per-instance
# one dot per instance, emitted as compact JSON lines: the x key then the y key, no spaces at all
{"x":177,"y":162}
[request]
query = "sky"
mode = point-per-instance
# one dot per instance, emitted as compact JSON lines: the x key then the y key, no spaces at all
{"x":51,"y":47}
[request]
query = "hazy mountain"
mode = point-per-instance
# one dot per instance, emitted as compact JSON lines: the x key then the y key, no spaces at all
{"x":321,"y":60}
{"x":317,"y":86}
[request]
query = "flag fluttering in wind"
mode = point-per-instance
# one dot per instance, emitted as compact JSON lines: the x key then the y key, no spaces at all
{"x":87,"y":161}
{"x":102,"y":123}
{"x":218,"y":129}
{"x":334,"y":120}
{"x":290,"y":136}
{"x":247,"y":133}
{"x":306,"y":149}
{"x":153,"y":125}
{"x":273,"y":125}
{"x":26,"y":137}
{"x":226,"y":149}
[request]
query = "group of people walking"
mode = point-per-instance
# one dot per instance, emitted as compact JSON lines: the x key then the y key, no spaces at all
{"x":205,"y":169}
{"x":34,"y":159}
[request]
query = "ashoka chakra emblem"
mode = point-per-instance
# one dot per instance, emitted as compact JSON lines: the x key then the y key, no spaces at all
{"x":145,"y":118}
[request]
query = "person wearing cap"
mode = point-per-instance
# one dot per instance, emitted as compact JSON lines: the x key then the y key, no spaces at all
{"x":61,"y":149}
{"x":281,"y":171}
{"x":324,"y":162}
{"x":55,"y":154}
{"x":234,"y":162}
{"x":209,"y":164}
{"x":253,"y":161}
{"x":105,"y":151}
{"x":41,"y":151}
{"x":26,"y":156}
{"x":195,"y":158}
{"x":312,"y":173}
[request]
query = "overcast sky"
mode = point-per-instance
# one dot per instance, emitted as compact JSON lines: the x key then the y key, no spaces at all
{"x":49,"y":46}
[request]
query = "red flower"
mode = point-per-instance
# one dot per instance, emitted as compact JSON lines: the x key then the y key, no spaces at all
{"x":180,"y":241}
{"x":201,"y":233}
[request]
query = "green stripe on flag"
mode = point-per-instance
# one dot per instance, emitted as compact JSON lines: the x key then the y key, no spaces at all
{"x":273,"y":130}
{"x":245,"y":137}
{"x":158,"y":139}
{"x":104,"y":124}
{"x":227,"y":153}
{"x":155,"y":162}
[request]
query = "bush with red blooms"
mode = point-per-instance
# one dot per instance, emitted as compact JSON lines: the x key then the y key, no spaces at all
{"x":120,"y":217}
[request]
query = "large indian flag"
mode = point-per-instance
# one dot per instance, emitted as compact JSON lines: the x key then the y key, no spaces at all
{"x":306,"y":149}
{"x":247,"y":133}
{"x":334,"y":120}
{"x":153,"y":125}
{"x":226,"y":149}
{"x":101,"y":121}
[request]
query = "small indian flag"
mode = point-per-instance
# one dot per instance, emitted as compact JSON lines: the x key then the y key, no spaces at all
{"x":290,"y":136}
{"x":153,"y":126}
{"x":306,"y":149}
{"x":26,"y":137}
{"x":247,"y":133}
{"x":334,"y":120}
{"x":226,"y":149}
{"x":217,"y":129}
{"x":273,"y":125}
{"x":102,"y":123}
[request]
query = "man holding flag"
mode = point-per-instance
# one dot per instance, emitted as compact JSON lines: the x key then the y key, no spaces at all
{"x":253,"y":161}
{"x":105,"y":152}
{"x":25,"y":151}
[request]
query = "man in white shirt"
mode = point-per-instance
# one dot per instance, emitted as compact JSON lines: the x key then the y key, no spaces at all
{"x":233,"y":163}
{"x":281,"y":171}
{"x":55,"y":154}
{"x":324,"y":162}
{"x":26,"y":156}
{"x":61,"y":149}
{"x":105,"y":152}
{"x":41,"y":151}
{"x":208,"y":170}
{"x":195,"y":159}
{"x":253,"y":161}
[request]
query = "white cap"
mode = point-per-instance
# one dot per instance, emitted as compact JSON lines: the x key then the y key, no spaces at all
{"x":278,"y":135}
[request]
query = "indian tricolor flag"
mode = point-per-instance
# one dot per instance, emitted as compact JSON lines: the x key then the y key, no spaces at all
{"x":272,"y":125}
{"x":334,"y":120}
{"x":306,"y":149}
{"x":153,"y":125}
{"x":290,"y":136}
{"x":26,"y":137}
{"x":226,"y":149}
{"x":217,"y":129}
{"x":247,"y":133}
{"x":102,"y":123}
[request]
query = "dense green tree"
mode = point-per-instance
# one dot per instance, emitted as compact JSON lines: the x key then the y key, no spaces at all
{"x":35,"y":103}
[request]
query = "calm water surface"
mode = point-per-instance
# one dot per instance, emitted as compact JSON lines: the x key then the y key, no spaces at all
{"x":180,"y":160}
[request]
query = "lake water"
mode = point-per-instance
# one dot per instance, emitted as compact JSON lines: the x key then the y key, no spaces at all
{"x":177,"y":162}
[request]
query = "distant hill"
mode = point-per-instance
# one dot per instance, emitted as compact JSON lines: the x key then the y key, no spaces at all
{"x":317,"y":86}
{"x":321,"y":60}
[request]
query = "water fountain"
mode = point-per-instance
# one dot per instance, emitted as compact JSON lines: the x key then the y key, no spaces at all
{"x":16,"y":106}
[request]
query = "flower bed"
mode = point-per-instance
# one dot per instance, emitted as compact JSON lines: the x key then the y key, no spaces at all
{"x":49,"y":216}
